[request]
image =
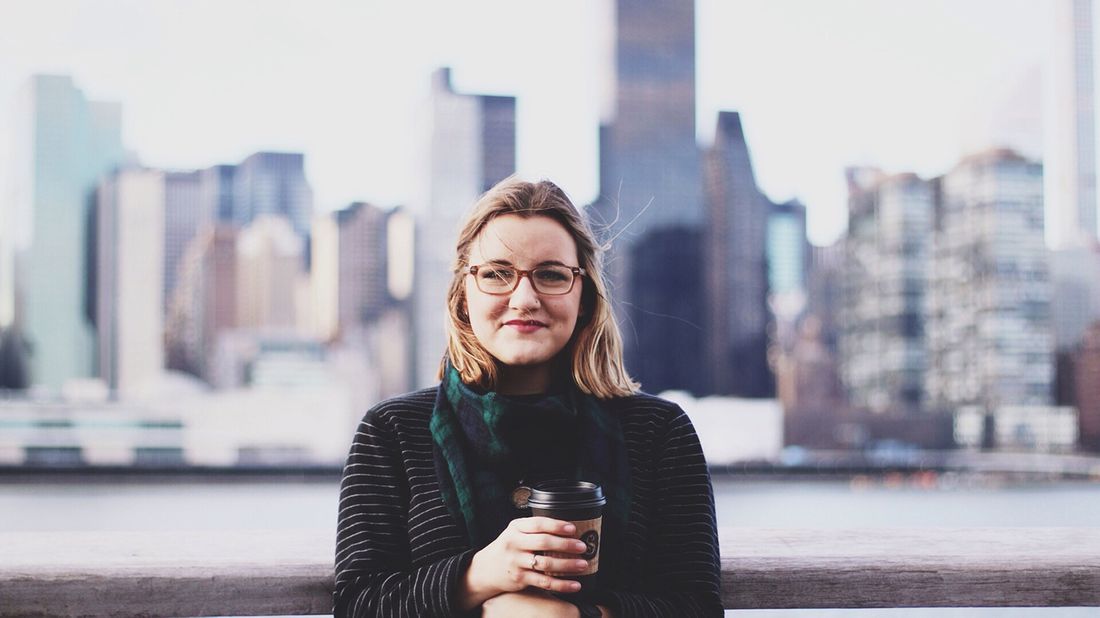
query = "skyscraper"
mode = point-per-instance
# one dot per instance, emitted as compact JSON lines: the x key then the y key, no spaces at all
{"x":788,"y":253}
{"x":272,"y":183}
{"x":185,"y":212}
{"x":67,"y":143}
{"x":990,"y":342}
{"x":356,"y":271}
{"x":129,"y":304}
{"x":886,"y":269}
{"x":1073,"y":150}
{"x":736,"y":276}
{"x":269,"y":272}
{"x":204,"y":302}
{"x":362,"y":269}
{"x":470,"y":145}
{"x":651,"y":195}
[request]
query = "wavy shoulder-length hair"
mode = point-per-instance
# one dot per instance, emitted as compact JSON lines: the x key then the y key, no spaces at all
{"x":595,"y":349}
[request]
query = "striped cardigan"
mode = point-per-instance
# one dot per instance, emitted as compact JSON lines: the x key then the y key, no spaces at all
{"x":399,"y":552}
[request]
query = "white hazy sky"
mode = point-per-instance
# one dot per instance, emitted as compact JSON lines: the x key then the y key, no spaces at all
{"x":902,"y":84}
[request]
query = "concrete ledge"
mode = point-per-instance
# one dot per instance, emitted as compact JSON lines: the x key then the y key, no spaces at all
{"x":290,"y":572}
{"x":928,"y":567}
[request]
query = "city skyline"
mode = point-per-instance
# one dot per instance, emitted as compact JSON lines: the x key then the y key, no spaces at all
{"x":319,"y":91}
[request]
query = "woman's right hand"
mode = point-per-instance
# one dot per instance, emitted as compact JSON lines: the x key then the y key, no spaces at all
{"x":510,"y":563}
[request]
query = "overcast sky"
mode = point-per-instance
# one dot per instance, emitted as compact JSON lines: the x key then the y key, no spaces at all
{"x":909,"y":85}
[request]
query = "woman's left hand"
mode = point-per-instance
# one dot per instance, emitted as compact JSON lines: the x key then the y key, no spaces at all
{"x":529,"y":603}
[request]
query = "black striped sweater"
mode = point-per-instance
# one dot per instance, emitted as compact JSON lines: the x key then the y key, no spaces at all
{"x":400,"y":553}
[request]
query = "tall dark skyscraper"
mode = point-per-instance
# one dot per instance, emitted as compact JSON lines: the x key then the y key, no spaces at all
{"x":651,"y":195}
{"x":736,"y":267}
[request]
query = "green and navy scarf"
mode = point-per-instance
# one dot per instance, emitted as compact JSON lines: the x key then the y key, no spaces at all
{"x":486,"y":443}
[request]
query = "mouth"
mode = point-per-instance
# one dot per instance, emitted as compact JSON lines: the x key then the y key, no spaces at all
{"x":526,"y":325}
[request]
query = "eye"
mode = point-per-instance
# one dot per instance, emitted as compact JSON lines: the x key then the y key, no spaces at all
{"x":495,"y":273}
{"x":552,"y":275}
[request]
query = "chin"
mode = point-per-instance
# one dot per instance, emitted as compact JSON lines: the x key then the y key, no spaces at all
{"x":524,"y":360}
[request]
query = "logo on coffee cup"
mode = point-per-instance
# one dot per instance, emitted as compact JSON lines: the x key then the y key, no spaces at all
{"x":591,"y":540}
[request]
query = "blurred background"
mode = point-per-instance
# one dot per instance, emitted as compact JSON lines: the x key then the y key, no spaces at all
{"x":855,"y":240}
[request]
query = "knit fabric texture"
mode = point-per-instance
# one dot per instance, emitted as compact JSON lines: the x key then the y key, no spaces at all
{"x":401,"y":553}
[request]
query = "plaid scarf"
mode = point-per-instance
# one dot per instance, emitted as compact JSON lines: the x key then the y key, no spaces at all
{"x":487,"y":443}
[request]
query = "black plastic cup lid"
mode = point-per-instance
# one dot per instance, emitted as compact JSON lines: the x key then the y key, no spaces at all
{"x":566,"y":495}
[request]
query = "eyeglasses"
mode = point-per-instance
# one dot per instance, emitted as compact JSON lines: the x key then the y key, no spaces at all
{"x":499,"y":279}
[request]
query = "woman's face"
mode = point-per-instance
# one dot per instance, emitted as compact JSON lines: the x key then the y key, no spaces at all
{"x":523,"y":328}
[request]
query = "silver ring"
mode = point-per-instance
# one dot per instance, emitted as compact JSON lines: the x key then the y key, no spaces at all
{"x":534,"y":562}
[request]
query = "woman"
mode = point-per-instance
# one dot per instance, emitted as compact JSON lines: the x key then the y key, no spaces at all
{"x":432,"y":520}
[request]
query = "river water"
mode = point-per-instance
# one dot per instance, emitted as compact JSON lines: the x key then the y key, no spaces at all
{"x":862,"y":502}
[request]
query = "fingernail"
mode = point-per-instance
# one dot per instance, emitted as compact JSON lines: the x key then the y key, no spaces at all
{"x":575,"y":586}
{"x":569,"y":528}
{"x":580,"y":546}
{"x":581,"y":564}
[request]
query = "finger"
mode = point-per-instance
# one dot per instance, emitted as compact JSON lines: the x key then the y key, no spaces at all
{"x":549,"y":542}
{"x":527,"y":561}
{"x":548,"y":564}
{"x":553,"y":584}
{"x":532,"y":525}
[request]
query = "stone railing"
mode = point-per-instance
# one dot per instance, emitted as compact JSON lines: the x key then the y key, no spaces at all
{"x":256,"y":573}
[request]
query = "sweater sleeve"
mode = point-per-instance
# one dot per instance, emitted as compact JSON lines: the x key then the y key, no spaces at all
{"x":374,"y":574}
{"x":682,"y":565}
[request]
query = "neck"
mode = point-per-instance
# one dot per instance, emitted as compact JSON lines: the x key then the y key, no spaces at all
{"x":520,"y":380}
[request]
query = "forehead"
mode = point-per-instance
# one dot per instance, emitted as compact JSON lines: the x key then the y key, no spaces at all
{"x":524,"y":241}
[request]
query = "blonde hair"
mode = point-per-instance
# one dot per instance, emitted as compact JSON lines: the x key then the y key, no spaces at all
{"x":596,"y":347}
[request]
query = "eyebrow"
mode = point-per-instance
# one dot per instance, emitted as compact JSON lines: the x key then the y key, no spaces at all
{"x":504,"y":262}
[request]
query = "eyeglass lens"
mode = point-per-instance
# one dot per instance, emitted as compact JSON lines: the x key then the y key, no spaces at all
{"x":495,"y":279}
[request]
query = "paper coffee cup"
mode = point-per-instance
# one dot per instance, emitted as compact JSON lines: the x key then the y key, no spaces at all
{"x":580,"y":503}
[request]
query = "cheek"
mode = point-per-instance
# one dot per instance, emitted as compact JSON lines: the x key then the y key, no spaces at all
{"x":481,"y":310}
{"x":569,"y":311}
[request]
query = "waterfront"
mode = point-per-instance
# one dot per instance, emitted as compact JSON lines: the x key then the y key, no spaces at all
{"x":895,"y":501}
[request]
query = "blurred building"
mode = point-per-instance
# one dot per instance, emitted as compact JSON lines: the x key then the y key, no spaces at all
{"x":1017,"y":428}
{"x":824,"y":291}
{"x":732,"y":429}
{"x":736,"y":276}
{"x":1088,"y":389}
{"x":886,"y":271}
{"x":129,"y":314}
{"x":989,"y":331}
{"x":788,"y":252}
{"x":1075,"y":277}
{"x":184,"y":424}
{"x":64,"y":144}
{"x":1071,"y":152}
{"x":469,"y":146}
{"x":362,"y":276}
{"x":204,"y":303}
{"x":185,"y":212}
{"x":808,"y":376}
{"x":788,"y":258}
{"x":651,"y":196}
{"x":269,"y":183}
{"x":268,"y":357}
{"x":264,"y":184}
{"x":269,"y":274}
{"x":56,"y":433}
{"x":216,"y":188}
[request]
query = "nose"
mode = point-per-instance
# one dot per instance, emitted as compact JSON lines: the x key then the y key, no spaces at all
{"x":524,"y":297}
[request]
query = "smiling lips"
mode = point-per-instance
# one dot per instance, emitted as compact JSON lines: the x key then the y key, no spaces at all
{"x":525,"y":326}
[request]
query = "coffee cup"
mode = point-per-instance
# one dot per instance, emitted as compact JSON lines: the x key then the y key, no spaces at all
{"x":580,"y":503}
